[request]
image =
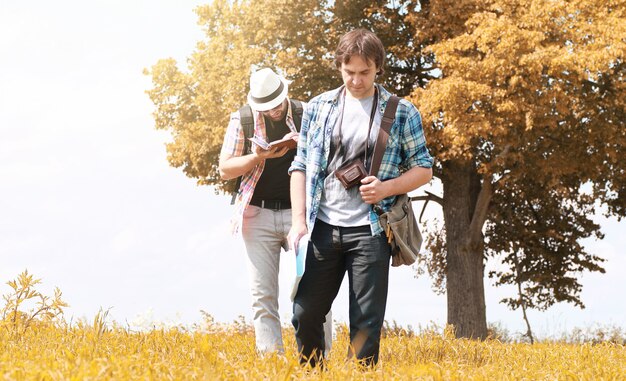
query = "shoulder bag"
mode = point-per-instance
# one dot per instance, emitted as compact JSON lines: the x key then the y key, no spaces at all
{"x":399,"y":221}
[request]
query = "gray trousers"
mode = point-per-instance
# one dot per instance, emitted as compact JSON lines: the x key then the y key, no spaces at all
{"x":332,"y":252}
{"x":264,"y":234}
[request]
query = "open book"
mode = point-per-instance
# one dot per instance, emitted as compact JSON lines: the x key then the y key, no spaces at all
{"x":290,"y":143}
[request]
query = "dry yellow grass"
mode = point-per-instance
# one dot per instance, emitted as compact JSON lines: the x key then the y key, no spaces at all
{"x":38,"y":344}
{"x":49,"y":351}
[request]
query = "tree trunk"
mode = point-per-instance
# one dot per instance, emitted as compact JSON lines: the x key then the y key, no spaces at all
{"x":465,"y":251}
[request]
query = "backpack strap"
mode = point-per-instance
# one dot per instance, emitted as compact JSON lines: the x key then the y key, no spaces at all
{"x":296,"y":113}
{"x":383,"y":134}
{"x":247,"y":124}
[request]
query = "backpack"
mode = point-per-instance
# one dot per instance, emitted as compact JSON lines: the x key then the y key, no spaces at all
{"x":247,"y":123}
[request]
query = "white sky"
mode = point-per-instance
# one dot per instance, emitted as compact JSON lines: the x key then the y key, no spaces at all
{"x":89,"y":203}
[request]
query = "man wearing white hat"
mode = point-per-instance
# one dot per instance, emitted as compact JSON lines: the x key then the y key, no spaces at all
{"x":262,"y":203}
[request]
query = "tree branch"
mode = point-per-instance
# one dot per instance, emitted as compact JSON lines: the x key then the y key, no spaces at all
{"x":482,"y":203}
{"x":480,"y":212}
{"x":429,"y":197}
{"x":437,"y":172}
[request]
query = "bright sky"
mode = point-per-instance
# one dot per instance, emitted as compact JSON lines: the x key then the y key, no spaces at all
{"x":89,"y":203}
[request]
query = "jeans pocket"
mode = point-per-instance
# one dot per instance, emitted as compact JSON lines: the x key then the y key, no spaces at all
{"x":375,"y":248}
{"x":251,"y":212}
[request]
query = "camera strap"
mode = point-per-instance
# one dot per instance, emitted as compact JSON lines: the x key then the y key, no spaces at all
{"x":369,"y":129}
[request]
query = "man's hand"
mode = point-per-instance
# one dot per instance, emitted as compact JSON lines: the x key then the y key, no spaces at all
{"x":373,"y":190}
{"x":291,"y":135}
{"x":298,"y":210}
{"x":297,"y":231}
{"x":270,"y":153}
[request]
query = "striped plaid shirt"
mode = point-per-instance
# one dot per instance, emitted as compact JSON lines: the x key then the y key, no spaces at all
{"x":406,"y":148}
{"x":233,"y":145}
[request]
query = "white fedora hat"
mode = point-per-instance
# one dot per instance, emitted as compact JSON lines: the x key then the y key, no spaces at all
{"x":267,"y":90}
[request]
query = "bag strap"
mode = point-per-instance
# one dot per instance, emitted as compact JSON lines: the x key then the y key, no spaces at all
{"x":247,"y":124}
{"x":296,"y":112}
{"x":383,"y":134}
{"x":339,"y":133}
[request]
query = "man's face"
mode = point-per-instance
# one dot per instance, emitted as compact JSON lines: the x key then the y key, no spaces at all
{"x":278,"y":112}
{"x":358,"y":76}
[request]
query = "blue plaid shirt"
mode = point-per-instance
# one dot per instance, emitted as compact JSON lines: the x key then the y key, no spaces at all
{"x":406,"y":148}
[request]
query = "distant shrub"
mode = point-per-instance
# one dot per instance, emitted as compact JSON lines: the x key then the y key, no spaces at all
{"x":395,"y":329}
{"x":496,"y":331}
{"x":14,"y":314}
{"x":596,"y":335}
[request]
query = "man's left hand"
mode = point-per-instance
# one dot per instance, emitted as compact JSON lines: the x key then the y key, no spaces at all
{"x":373,"y":190}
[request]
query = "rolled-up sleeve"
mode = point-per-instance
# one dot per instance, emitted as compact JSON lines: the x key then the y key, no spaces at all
{"x":234,"y":138}
{"x":414,"y":142}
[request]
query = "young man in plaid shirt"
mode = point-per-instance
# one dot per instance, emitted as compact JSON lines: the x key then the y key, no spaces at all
{"x":337,"y":127}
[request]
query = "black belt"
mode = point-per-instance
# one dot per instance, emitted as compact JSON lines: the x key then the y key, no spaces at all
{"x":272,"y":204}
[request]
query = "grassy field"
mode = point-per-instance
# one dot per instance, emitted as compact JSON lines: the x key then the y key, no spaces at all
{"x":47,"y":351}
{"x":39,"y":344}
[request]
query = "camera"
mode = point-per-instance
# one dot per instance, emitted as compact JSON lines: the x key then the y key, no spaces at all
{"x":351,"y":173}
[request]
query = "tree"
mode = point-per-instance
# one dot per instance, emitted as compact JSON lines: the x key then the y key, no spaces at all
{"x":523,"y":104}
{"x":529,"y":109}
{"x":241,"y":36}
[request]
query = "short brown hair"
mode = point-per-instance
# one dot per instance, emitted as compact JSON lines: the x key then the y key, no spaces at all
{"x":360,"y":42}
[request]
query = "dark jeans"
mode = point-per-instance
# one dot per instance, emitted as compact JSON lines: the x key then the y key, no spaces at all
{"x":332,"y":252}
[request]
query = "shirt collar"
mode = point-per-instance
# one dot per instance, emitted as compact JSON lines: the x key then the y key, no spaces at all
{"x":383,"y":95}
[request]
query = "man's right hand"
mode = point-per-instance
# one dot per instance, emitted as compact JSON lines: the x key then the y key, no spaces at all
{"x":297,"y":231}
{"x":298,"y":209}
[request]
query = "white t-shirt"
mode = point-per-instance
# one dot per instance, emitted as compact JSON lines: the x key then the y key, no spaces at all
{"x":338,"y":206}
